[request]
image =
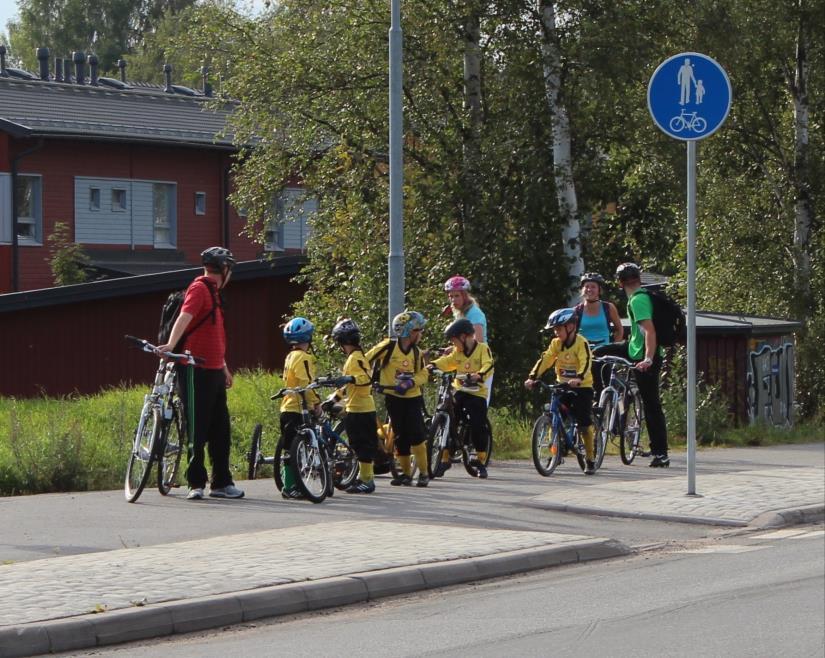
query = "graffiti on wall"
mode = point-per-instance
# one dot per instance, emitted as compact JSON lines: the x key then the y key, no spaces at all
{"x":770,"y":384}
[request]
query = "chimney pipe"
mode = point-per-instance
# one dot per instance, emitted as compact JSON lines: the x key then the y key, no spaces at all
{"x":92,"y":59}
{"x":43,"y":59}
{"x":79,"y":58}
{"x":3,"y":72}
{"x":121,"y":64}
{"x":207,"y":87}
{"x":167,"y":72}
{"x":67,"y":70}
{"x":58,"y":69}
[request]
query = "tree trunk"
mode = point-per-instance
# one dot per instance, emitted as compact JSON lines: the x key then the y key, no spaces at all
{"x":471,"y":147}
{"x":562,"y":158}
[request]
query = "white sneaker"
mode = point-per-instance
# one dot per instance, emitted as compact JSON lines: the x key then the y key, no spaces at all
{"x":229,"y":491}
{"x":195,"y":494}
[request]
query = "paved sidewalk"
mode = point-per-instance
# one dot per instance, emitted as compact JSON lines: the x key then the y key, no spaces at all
{"x":764,"y":498}
{"x":81,"y":601}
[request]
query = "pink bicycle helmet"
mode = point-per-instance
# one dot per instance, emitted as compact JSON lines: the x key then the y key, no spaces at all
{"x":457,"y":283}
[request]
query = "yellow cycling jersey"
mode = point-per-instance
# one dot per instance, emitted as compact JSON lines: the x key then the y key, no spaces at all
{"x":574,"y":362}
{"x":478,"y":360}
{"x":399,"y":362}
{"x":358,"y":394}
{"x":299,"y":371}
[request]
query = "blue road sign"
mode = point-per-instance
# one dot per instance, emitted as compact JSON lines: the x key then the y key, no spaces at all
{"x":689,"y":96}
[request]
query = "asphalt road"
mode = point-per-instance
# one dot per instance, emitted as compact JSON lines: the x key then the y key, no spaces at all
{"x":747,"y":594}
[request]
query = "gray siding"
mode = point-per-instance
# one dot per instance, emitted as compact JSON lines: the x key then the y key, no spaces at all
{"x":5,"y":208}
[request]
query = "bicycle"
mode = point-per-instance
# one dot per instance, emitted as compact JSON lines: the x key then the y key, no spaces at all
{"x":556,"y":433}
{"x":620,"y":409}
{"x":689,"y":122}
{"x":319,"y":454}
{"x":161,"y":433}
{"x":448,"y":432}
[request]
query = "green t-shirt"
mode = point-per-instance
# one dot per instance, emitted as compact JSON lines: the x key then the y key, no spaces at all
{"x":639,"y":307}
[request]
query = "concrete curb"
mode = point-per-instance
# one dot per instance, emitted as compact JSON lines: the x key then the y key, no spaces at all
{"x":626,"y":514}
{"x":142,"y":623}
{"x":791,"y":516}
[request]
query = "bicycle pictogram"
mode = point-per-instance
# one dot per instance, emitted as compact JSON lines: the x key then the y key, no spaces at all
{"x":688,"y":121}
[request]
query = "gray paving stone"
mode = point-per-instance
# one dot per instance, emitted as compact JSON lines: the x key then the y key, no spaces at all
{"x":23,"y":641}
{"x":273,"y":601}
{"x":333,"y":592}
{"x":70,"y":634}
{"x":200,"y":614}
{"x":130,"y":625}
{"x":392,"y":582}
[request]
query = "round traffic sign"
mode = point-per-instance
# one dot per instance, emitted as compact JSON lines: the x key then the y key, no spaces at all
{"x":689,"y":96}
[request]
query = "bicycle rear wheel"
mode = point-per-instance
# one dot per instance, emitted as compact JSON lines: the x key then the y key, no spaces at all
{"x":143,"y":453}
{"x":603,"y":430}
{"x":278,"y":462}
{"x":345,"y":466}
{"x":546,"y":446}
{"x":632,"y":428}
{"x":310,"y":464}
{"x":253,"y":457}
{"x":437,"y":438}
{"x":173,"y":447}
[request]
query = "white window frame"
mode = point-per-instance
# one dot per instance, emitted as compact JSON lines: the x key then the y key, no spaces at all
{"x":274,"y":234}
{"x":171,"y":224}
{"x":116,"y":205}
{"x":37,"y":221}
{"x":94,"y":199}
{"x":200,"y":203}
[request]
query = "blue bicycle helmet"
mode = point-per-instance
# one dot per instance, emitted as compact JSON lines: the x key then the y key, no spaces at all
{"x":298,"y":330}
{"x":560,"y":317}
{"x":405,"y":323}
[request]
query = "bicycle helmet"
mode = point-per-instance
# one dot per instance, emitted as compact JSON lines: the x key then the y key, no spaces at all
{"x":560,"y":317}
{"x":628,"y":272}
{"x":405,"y":323}
{"x":215,"y":259}
{"x":458,"y":328}
{"x":457,"y":283}
{"x":595,"y":277}
{"x":298,"y":330}
{"x":346,"y":332}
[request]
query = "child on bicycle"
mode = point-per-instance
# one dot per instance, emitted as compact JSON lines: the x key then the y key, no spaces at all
{"x":299,"y":371}
{"x":399,"y":369}
{"x":473,"y":362}
{"x":360,"y":420}
{"x":570,"y":353}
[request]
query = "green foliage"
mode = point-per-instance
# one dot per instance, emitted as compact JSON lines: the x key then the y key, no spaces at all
{"x":67,"y":258}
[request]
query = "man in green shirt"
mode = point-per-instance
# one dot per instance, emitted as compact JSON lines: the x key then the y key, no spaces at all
{"x":648,"y":355}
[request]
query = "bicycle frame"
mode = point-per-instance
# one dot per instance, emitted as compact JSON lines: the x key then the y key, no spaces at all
{"x":558,"y":413}
{"x":616,"y":391}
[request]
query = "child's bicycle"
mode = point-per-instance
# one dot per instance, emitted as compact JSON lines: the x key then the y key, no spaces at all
{"x":448,"y":431}
{"x":319,"y":454}
{"x":161,"y":434}
{"x":556,"y":433}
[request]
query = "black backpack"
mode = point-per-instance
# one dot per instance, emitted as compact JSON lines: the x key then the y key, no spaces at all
{"x":170,"y":311}
{"x":378,"y":364}
{"x":668,"y":319}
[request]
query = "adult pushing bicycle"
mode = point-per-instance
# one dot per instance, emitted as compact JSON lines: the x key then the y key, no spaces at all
{"x":161,"y":434}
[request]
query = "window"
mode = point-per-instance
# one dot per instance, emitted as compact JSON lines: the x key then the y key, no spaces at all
{"x":163,"y":214}
{"x":118,"y":200}
{"x":94,"y":199}
{"x":289,"y":228}
{"x":29,"y":210}
{"x":200,"y":203}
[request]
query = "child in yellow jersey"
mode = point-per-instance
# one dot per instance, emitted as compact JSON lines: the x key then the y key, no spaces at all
{"x":473,"y":361}
{"x":401,"y":373}
{"x":360,"y":419}
{"x":570,"y":353}
{"x":299,"y":371}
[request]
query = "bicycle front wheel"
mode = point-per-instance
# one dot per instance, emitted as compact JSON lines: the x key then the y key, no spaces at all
{"x":632,"y":428}
{"x":143,"y":453}
{"x":603,"y":431}
{"x":438,"y":438}
{"x":279,"y":463}
{"x":310,"y":464}
{"x":345,"y":461}
{"x":173,"y":447}
{"x":546,"y":445}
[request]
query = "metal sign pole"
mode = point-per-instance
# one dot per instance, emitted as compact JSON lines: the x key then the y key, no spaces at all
{"x":395,"y":261}
{"x":691,"y":317}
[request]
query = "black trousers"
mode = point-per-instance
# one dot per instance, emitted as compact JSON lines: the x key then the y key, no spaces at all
{"x":407,"y":420}
{"x":362,"y":434}
{"x":212,"y":428}
{"x":580,"y":401}
{"x":648,"y":382}
{"x":475,"y":408}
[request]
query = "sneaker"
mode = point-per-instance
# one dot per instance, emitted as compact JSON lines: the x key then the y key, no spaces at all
{"x":291,"y":494}
{"x":402,"y":480}
{"x":589,"y":468}
{"x":423,"y":481}
{"x":442,"y":468}
{"x":361,"y":487}
{"x":229,"y":491}
{"x":482,"y":471}
{"x":660,"y":461}
{"x":195,"y":493}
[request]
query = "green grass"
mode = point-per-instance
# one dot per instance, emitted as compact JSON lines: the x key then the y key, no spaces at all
{"x":81,"y":443}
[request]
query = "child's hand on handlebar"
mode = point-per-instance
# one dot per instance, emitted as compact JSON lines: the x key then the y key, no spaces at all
{"x":529,"y":384}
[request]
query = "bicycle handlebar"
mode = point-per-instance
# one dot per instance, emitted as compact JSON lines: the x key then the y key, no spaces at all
{"x":320,"y":382}
{"x":185,"y":358}
{"x":616,"y":360}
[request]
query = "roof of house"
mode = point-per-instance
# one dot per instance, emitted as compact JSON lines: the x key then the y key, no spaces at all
{"x":710,"y":322}
{"x":45,"y":108}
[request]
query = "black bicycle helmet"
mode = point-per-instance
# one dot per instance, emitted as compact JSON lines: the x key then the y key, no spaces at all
{"x":595,"y":277}
{"x":215,"y":259}
{"x":460,"y":327}
{"x":628,"y":272}
{"x":346,"y":332}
